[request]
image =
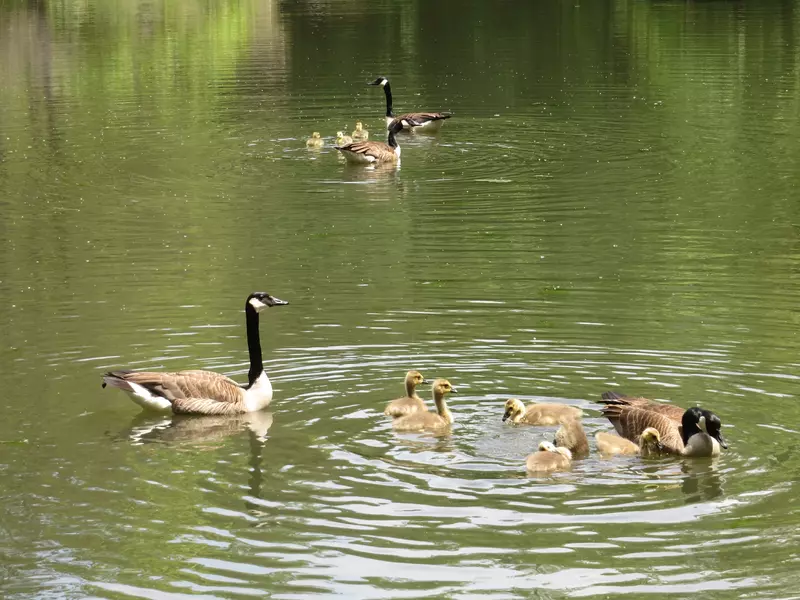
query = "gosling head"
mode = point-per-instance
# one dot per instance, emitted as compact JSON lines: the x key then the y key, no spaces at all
{"x":381,"y":81}
{"x":650,"y":441}
{"x":315,"y":135}
{"x":339,"y":134}
{"x":545,"y":446}
{"x":442,"y":387}
{"x":415,"y":378}
{"x":359,"y":126}
{"x":258,"y":301}
{"x":514,"y":409}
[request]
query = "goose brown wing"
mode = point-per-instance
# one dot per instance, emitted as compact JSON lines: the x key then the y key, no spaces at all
{"x":182,"y":385}
{"x":630,"y":422}
{"x":670,"y":410}
{"x":379,"y":150}
{"x":423,"y":117}
{"x":206,"y":406}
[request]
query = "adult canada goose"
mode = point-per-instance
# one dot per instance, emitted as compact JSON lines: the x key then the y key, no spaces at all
{"x":539,"y":413}
{"x":649,"y":443}
{"x":697,"y":435}
{"x":315,"y":141}
{"x":673,"y":412}
{"x":572,"y":436}
{"x":411,"y":402}
{"x":366,"y":153}
{"x":359,"y":133}
{"x":342,"y":139}
{"x":423,"y":121}
{"x":549,"y":459}
{"x":205,"y":392}
{"x":429,"y":421}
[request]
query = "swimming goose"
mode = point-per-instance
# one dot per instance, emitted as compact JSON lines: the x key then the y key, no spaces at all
{"x":548,"y":459}
{"x":572,"y":436}
{"x":423,"y":121}
{"x":673,"y":412}
{"x":697,"y":435}
{"x":429,"y":421}
{"x":342,"y":139}
{"x":205,"y":392}
{"x":360,"y":134}
{"x":366,"y":153}
{"x":315,"y":141}
{"x":649,"y":443}
{"x":411,"y":402}
{"x":539,"y":413}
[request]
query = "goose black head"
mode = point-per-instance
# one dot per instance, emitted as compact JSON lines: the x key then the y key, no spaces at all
{"x":711,"y":424}
{"x":699,"y":420}
{"x":261,"y":300}
{"x":379,"y":81}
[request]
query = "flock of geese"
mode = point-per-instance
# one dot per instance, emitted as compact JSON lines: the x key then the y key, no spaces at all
{"x":642,"y":427}
{"x":357,"y":149}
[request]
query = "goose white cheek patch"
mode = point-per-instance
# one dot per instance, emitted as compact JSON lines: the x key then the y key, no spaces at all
{"x":257,"y":304}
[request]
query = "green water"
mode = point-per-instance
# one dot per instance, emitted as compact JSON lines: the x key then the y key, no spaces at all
{"x":613,"y":205}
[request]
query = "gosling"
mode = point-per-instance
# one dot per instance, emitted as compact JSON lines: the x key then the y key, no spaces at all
{"x":342,"y":139}
{"x":548,"y":459}
{"x":649,"y":444}
{"x":360,"y":134}
{"x":539,"y":413}
{"x":411,"y":403}
{"x":430,"y":421}
{"x":315,"y":141}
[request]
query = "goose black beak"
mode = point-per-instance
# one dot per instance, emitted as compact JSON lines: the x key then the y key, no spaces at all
{"x":426,"y":382}
{"x":721,"y":441}
{"x":453,"y":390}
{"x":272,"y":301}
{"x":506,"y":415}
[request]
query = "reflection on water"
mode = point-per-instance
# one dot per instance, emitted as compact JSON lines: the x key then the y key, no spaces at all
{"x":611,"y":207}
{"x":187,"y":429}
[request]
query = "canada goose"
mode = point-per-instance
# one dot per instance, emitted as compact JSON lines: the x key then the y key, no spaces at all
{"x":366,"y":153}
{"x":572,"y":436}
{"x":342,"y":139}
{"x":359,"y":133}
{"x":315,"y":141}
{"x":649,"y":443}
{"x":539,"y":413}
{"x":411,"y":402}
{"x":430,"y":421}
{"x":673,"y":412}
{"x":697,"y":435}
{"x":424,"y":121}
{"x":548,"y":459}
{"x":205,"y":392}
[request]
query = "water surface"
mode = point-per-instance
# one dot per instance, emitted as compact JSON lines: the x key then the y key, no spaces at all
{"x":613,"y":206}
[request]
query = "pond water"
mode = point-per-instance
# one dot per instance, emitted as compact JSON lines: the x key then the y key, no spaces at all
{"x":614,"y":205}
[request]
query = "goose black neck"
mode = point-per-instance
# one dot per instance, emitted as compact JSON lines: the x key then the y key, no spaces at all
{"x":387,"y":89}
{"x":392,"y":139}
{"x":253,"y":344}
{"x":689,"y":424}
